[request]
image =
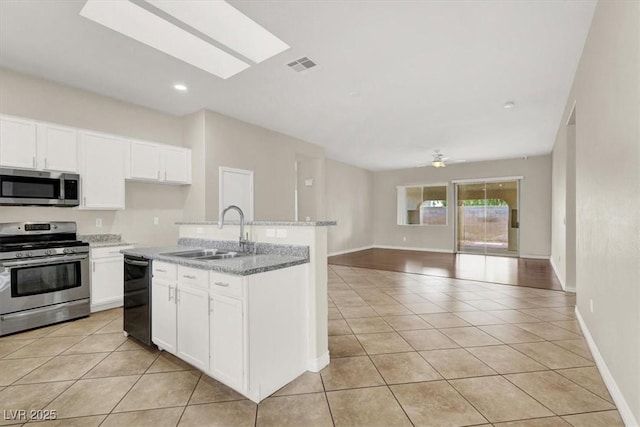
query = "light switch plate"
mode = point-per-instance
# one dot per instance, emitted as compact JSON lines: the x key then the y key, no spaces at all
{"x":271,"y":232}
{"x":281,"y":233}
{"x":156,"y":220}
{"x":308,"y":182}
{"x":98,"y":222}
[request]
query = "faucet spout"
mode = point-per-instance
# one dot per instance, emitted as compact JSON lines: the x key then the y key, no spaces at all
{"x":243,"y":240}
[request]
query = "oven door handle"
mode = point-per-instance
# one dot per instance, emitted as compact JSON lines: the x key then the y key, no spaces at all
{"x":40,"y":261}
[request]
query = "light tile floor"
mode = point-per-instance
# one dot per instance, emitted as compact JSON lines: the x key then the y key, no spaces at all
{"x":405,"y":350}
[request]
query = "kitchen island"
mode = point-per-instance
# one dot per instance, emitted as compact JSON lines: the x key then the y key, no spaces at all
{"x":241,"y":320}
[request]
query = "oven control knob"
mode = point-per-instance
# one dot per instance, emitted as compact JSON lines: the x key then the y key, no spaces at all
{"x":18,"y":254}
{"x":48,"y":251}
{"x":29,"y":253}
{"x":66,"y":250}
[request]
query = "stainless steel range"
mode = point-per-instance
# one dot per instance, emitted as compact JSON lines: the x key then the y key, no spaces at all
{"x":44,"y":275}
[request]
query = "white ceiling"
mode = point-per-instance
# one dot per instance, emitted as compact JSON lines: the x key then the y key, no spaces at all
{"x":395,"y":79}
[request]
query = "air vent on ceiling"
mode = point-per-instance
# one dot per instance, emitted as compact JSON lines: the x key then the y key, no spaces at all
{"x":302,"y":64}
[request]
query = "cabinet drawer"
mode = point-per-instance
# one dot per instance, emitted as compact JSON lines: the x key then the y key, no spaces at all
{"x":111,"y":251}
{"x":164,"y":270}
{"x":193,"y":276}
{"x":223,"y":284}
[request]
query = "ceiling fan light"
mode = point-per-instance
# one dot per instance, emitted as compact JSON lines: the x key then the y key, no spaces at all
{"x":438,"y":164}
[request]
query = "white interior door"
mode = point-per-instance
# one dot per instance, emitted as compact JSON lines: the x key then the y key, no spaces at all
{"x":236,"y":188}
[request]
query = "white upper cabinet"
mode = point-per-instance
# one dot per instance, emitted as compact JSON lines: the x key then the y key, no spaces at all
{"x":17,"y":143}
{"x":160,"y":163}
{"x":102,"y":159}
{"x":28,"y":144}
{"x":57,"y":148}
{"x":145,"y":161}
{"x":176,"y":163}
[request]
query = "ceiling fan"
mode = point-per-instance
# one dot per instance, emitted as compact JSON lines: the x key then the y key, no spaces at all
{"x":438,"y":159}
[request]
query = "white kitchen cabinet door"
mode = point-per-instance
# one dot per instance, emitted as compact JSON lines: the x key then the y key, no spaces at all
{"x":107,"y":285}
{"x":163,"y":315}
{"x":57,"y":148}
{"x":17,"y":143}
{"x":193,"y":320}
{"x":176,"y":165}
{"x":227,"y":340}
{"x":145,"y":161}
{"x":103,"y":171}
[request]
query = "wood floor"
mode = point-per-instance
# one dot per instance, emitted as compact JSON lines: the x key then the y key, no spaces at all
{"x":534,"y":273}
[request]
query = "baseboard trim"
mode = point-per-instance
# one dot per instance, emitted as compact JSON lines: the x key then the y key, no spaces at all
{"x":609,"y":381}
{"x":409,"y":248}
{"x":112,"y":303}
{"x":348,"y":251}
{"x":535,"y":256}
{"x":555,"y":270}
{"x":316,"y":365}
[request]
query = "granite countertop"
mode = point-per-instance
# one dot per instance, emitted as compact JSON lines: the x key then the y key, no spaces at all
{"x":240,"y":266}
{"x":275,"y":223}
{"x":104,"y":240}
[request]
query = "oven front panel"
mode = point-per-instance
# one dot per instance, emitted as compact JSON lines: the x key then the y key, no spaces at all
{"x":37,"y":283}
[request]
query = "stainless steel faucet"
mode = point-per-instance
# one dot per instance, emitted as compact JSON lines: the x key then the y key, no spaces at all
{"x":243,"y":239}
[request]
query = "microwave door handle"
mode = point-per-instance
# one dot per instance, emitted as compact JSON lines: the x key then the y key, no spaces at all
{"x":57,"y":260}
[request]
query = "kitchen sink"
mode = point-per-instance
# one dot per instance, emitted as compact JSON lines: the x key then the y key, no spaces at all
{"x":205,"y":254}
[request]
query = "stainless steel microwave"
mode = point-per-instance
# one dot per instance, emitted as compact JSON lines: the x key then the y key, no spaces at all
{"x":36,"y":188}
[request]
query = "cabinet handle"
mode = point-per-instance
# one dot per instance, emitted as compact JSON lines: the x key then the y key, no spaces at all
{"x":158,"y":174}
{"x":224,"y":285}
{"x":94,"y":266}
{"x":161,"y":271}
{"x":84,"y":201}
{"x":33,"y":162}
{"x":165,"y":175}
{"x":45,"y":162}
{"x":169,"y":289}
{"x":188,"y":276}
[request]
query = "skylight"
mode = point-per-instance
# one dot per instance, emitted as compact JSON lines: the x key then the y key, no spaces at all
{"x":139,"y":24}
{"x":225,"y":24}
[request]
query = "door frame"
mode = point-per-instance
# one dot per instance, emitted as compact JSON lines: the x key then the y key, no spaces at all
{"x":455,"y":183}
{"x":248,"y":216}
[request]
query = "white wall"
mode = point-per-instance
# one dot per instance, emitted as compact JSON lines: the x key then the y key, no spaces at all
{"x":535,"y":203}
{"x":29,"y":97}
{"x":606,"y":91}
{"x":350,"y":202}
{"x":270,"y":155}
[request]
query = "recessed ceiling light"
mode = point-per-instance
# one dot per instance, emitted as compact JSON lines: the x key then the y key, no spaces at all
{"x":225,"y":24}
{"x":180,"y":87}
{"x":509,"y":105}
{"x":141,"y":25}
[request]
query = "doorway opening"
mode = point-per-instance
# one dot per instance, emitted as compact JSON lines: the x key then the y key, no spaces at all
{"x":487,"y":217}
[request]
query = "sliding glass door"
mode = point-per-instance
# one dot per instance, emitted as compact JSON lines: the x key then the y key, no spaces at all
{"x":487,"y":217}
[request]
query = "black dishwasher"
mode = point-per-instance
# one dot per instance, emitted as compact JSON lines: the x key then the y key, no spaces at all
{"x":137,"y":298}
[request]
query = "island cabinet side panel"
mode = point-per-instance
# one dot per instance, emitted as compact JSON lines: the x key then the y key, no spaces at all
{"x":277,"y":309}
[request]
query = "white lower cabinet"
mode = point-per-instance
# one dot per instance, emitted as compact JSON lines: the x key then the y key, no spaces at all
{"x":193,"y":319}
{"x":163,"y":315}
{"x":246,"y":332}
{"x":226,"y":340}
{"x":107,"y":277}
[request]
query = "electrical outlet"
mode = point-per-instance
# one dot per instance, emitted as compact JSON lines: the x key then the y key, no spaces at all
{"x":156,"y":220}
{"x":591,"y":305}
{"x":404,"y":238}
{"x":307,"y":218}
{"x":281,"y":233}
{"x":99,"y":222}
{"x":271,"y":232}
